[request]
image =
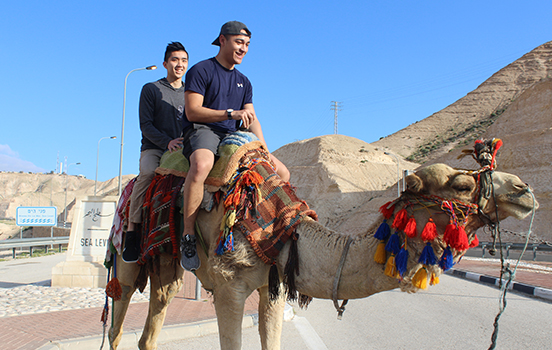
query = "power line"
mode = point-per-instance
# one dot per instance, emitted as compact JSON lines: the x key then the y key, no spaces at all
{"x":336,"y":106}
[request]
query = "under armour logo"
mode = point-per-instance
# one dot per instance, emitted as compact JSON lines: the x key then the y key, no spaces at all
{"x":240,"y":85}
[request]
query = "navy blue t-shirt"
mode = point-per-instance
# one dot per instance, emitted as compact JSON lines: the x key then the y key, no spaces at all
{"x":221,"y":88}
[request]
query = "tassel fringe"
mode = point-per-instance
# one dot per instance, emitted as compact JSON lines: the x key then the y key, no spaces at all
{"x":380,"y":256}
{"x":273,"y":283}
{"x":420,"y":278}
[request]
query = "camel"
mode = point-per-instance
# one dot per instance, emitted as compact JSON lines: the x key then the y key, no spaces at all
{"x":234,"y":275}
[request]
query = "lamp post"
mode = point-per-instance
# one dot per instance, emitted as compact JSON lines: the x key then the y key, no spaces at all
{"x":65,"y":211}
{"x":98,"y":160}
{"x":123,"y":126}
{"x":398,"y":173}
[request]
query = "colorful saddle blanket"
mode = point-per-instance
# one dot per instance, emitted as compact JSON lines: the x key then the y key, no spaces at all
{"x":271,"y":220}
{"x":230,"y":151}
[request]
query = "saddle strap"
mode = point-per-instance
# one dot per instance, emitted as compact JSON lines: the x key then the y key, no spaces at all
{"x":340,"y":309}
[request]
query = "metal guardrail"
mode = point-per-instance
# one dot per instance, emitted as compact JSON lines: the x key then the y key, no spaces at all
{"x":33,"y":242}
{"x":516,"y":246}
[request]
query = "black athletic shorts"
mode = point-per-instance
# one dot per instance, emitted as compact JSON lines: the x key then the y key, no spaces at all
{"x":198,"y":136}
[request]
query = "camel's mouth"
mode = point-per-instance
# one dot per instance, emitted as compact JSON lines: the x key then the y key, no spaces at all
{"x":519,"y":205}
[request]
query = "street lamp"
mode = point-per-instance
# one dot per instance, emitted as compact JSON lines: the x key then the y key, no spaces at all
{"x":65,"y":211}
{"x":398,"y":173}
{"x":98,"y":159}
{"x":123,"y":126}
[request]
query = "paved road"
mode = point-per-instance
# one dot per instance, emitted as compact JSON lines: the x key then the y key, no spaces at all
{"x":456,"y":314}
{"x":36,"y":270}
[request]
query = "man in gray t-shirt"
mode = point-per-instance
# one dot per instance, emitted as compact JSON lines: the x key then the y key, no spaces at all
{"x":161,"y":115}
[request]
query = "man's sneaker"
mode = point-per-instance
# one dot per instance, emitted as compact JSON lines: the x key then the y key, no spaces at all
{"x":189,"y":259}
{"x":131,"y":251}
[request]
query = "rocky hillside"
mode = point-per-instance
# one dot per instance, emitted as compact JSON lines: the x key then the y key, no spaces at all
{"x":463,"y":121}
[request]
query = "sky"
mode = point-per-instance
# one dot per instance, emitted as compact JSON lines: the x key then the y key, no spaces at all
{"x":388,"y":63}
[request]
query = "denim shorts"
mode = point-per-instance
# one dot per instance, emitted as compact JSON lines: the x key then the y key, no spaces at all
{"x":200,"y":136}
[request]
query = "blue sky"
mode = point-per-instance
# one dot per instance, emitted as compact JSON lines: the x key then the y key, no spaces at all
{"x":390,"y":63}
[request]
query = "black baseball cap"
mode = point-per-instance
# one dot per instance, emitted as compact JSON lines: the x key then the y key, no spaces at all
{"x":232,"y":28}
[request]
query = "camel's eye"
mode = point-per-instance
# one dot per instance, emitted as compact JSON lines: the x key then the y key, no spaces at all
{"x":464,"y":188}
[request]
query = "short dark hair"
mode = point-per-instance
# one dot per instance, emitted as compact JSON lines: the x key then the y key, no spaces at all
{"x":172,"y":47}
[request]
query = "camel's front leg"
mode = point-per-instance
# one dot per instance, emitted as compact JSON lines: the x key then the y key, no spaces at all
{"x":126,"y":274}
{"x":164,"y":286}
{"x":271,"y":316}
{"x":229,"y":305}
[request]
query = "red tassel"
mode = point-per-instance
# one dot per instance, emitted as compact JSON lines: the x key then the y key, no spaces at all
{"x":475,"y":242}
{"x":430,"y":231}
{"x":400,"y":220}
{"x":451,"y":234}
{"x":462,"y":241}
{"x":410,"y":228}
{"x":456,"y":237}
{"x":113,"y":289}
{"x":387,"y":209}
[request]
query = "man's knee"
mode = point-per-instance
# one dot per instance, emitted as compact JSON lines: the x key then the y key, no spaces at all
{"x":201,"y":163}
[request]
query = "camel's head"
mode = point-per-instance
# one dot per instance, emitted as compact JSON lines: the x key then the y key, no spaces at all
{"x":435,"y":219}
{"x":513,"y":197}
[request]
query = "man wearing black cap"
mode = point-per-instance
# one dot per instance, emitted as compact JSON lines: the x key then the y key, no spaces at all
{"x":217,"y":98}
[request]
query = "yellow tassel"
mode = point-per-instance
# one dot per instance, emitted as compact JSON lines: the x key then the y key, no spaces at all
{"x":231,"y":219}
{"x":380,"y":255}
{"x":420,"y":278}
{"x":390,"y":268}
{"x":434,"y":280}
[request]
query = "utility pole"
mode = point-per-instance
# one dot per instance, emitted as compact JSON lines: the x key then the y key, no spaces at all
{"x":335,"y":106}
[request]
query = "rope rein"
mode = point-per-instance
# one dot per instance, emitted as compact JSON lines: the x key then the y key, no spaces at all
{"x":509,"y":275}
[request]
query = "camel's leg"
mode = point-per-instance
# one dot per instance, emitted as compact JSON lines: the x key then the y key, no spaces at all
{"x":229,"y":305}
{"x":163,"y":288}
{"x":271,"y":316}
{"x":126,"y":274}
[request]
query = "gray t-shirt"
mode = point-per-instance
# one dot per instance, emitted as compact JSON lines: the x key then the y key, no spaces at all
{"x":161,"y":112}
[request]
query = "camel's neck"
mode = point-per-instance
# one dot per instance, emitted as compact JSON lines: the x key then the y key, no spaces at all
{"x":320,"y":251}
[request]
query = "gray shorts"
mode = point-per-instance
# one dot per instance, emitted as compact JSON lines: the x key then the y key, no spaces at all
{"x":199,"y":136}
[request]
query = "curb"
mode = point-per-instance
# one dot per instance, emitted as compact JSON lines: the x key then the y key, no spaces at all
{"x":539,"y":292}
{"x":171,"y":333}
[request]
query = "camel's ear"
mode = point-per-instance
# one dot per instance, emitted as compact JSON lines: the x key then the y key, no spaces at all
{"x":414,"y":183}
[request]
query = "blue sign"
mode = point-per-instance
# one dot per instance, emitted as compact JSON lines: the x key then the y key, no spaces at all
{"x":36,"y":216}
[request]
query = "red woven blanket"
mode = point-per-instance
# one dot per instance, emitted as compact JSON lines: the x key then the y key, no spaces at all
{"x":162,"y":220}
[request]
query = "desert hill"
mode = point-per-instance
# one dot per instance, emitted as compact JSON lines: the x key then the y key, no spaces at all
{"x":30,"y":189}
{"x":463,"y":121}
{"x":336,"y":174}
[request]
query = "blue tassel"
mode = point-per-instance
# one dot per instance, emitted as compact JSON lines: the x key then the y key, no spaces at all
{"x":393,"y":245}
{"x":220,"y":248}
{"x":428,"y":255}
{"x":383,"y":231}
{"x":229,"y":244}
{"x":446,"y":260}
{"x":401,"y":261}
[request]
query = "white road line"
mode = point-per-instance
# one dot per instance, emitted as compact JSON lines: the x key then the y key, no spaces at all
{"x":309,"y":335}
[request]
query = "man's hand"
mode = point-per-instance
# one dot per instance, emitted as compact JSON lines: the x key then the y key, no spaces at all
{"x":246,"y":116}
{"x":175,"y":144}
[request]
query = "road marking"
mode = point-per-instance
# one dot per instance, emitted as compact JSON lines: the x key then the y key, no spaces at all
{"x":309,"y":335}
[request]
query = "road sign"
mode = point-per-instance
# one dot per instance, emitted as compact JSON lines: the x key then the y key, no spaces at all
{"x":36,"y":216}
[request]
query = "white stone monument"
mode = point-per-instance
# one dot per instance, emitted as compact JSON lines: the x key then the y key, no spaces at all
{"x":92,"y":221}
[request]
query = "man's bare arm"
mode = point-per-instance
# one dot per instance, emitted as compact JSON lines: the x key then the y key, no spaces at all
{"x":195,"y":112}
